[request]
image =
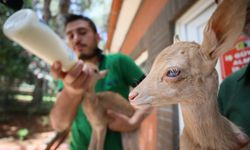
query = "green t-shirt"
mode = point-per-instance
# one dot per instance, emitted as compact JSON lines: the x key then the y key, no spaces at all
{"x":234,"y":99}
{"x":122,"y":73}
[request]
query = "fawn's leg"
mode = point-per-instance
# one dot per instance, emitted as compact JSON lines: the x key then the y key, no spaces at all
{"x":101,"y":134}
{"x":93,"y":140}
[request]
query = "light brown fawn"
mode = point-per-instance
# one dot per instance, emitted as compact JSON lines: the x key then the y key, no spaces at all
{"x":95,"y":106}
{"x":185,"y":73}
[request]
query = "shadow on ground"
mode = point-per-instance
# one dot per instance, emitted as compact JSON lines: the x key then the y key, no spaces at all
{"x":25,"y":132}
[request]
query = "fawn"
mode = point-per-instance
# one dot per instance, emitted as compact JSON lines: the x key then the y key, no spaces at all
{"x":185,"y":73}
{"x":95,"y":106}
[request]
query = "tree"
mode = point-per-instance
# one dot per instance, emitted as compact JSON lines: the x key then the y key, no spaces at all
{"x":14,"y":60}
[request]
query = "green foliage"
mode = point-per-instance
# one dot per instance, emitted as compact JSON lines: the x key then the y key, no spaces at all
{"x":22,"y":133}
{"x":27,"y":4}
{"x":14,"y":60}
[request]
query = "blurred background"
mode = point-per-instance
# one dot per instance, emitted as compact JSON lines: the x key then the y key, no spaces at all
{"x":138,"y":28}
{"x":27,"y":90}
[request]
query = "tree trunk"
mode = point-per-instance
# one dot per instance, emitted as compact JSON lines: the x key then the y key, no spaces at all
{"x":37,"y":93}
{"x":46,"y":11}
{"x":63,"y":11}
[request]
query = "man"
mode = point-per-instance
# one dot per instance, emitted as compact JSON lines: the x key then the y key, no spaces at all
{"x":82,"y":37}
{"x":234,"y":93}
{"x":234,"y":98}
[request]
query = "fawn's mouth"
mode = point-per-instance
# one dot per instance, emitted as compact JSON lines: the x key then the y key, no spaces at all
{"x":141,"y":106}
{"x":141,"y":102}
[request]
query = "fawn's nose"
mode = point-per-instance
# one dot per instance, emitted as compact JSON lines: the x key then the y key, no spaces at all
{"x":132,"y":95}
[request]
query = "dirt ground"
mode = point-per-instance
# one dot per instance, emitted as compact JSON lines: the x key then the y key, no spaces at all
{"x":39,"y":132}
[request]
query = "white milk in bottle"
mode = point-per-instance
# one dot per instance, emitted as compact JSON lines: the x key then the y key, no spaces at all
{"x":25,"y":28}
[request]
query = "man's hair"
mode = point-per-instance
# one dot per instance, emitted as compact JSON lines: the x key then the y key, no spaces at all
{"x":72,"y":17}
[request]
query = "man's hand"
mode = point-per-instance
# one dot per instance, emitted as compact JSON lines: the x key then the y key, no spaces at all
{"x":243,"y":139}
{"x":122,"y":123}
{"x":75,"y":81}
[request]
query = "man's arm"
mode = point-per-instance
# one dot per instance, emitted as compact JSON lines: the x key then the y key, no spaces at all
{"x":75,"y":84}
{"x":64,"y":110}
{"x":122,"y":123}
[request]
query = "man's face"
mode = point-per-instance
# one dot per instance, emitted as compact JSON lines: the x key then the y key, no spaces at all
{"x":81,"y":37}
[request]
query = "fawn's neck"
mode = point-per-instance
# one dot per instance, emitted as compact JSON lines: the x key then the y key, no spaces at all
{"x":205,"y":125}
{"x":90,"y":97}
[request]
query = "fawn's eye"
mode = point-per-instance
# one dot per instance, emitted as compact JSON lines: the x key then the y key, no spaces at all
{"x":173,"y":72}
{"x":173,"y":75}
{"x":96,"y":71}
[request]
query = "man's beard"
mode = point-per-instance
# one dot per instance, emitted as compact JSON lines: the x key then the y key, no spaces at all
{"x":83,"y":56}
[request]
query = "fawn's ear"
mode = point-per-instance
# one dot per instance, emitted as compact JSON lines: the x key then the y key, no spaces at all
{"x":223,"y":28}
{"x":103,"y":73}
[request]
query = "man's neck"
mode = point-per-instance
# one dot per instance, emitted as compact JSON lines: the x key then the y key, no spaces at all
{"x":94,"y":60}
